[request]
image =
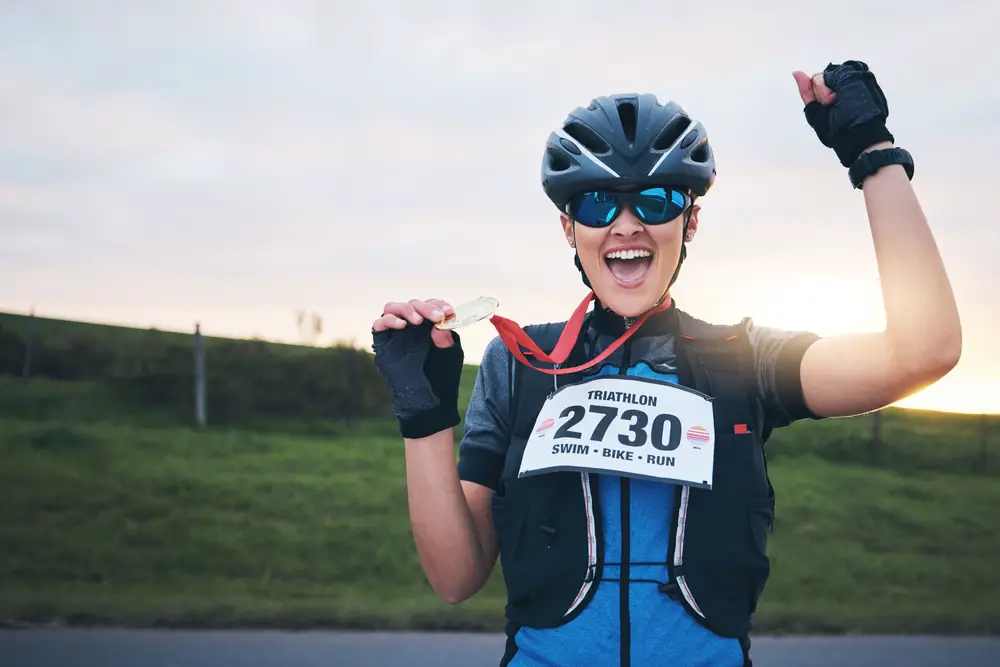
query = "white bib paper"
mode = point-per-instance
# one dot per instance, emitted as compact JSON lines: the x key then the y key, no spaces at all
{"x":635,"y":427}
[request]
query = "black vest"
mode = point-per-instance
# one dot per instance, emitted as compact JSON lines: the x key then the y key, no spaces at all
{"x":551,"y":543}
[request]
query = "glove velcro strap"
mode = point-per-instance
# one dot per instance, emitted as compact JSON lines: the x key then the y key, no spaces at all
{"x":430,"y":422}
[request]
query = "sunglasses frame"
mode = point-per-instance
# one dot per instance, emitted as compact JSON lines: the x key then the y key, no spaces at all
{"x":627,"y":200}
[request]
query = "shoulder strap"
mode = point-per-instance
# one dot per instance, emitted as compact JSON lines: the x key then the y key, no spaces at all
{"x":691,"y":328}
{"x":532,"y":387}
{"x":716,"y":359}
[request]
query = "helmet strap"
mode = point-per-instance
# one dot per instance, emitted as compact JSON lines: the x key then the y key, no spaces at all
{"x":684,"y":251}
{"x":576,"y":253}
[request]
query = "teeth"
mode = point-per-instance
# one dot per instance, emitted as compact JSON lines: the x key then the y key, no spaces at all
{"x":628,"y":254}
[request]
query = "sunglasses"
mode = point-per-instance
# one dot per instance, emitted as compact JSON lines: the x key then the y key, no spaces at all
{"x":652,"y":206}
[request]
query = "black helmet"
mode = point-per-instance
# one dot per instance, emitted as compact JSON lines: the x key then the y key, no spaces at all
{"x":626,"y":139}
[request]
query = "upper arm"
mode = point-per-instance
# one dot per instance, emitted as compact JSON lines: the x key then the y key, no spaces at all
{"x":801,"y":375}
{"x":858,"y":373}
{"x":487,"y":432}
{"x":484,"y":448}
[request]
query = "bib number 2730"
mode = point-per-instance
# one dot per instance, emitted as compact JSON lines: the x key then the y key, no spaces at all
{"x":640,"y":429}
{"x":628,"y":426}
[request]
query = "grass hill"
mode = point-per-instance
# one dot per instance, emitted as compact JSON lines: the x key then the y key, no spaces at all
{"x":292,"y":513}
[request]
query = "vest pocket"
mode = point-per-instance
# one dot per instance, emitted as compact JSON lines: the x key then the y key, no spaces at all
{"x":725,"y":562}
{"x":761,"y":519}
{"x":524,"y":543}
{"x":543,"y":553}
{"x":739,"y":464}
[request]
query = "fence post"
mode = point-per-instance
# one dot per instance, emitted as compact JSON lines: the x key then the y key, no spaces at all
{"x":29,"y":344}
{"x":199,"y":377}
{"x":982,"y":441}
{"x":877,"y":436}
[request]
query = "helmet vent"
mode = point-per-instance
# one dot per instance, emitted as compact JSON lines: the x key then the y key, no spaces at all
{"x":671,"y":132}
{"x":557,"y":159}
{"x":702,"y":154}
{"x":627,"y":113}
{"x":586,"y":136}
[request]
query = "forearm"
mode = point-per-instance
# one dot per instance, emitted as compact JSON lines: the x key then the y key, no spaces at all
{"x":922,"y":321}
{"x":446,"y":536}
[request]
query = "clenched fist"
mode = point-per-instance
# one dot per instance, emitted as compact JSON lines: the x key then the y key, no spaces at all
{"x":846,"y":107}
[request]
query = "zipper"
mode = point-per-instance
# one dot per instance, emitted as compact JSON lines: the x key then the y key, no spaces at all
{"x":595,"y":543}
{"x":682,"y":505}
{"x":682,"y":499}
{"x":625,"y":623}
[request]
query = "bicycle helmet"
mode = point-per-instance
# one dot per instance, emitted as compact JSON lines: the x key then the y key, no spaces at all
{"x":626,"y":139}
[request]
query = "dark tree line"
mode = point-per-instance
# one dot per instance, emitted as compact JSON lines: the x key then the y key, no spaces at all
{"x":245,"y":379}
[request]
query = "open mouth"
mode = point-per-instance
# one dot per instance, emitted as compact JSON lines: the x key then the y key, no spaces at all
{"x":629,"y":267}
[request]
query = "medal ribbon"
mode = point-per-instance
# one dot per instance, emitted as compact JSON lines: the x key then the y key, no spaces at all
{"x":514,"y":337}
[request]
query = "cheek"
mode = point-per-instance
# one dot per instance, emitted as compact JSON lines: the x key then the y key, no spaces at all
{"x":669,"y":234}
{"x":668,"y":239}
{"x":589,"y":243}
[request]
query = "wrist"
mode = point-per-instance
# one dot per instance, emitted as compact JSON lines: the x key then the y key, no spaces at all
{"x":430,"y":422}
{"x":879,"y":146}
{"x":445,"y":438}
{"x":875,"y":159}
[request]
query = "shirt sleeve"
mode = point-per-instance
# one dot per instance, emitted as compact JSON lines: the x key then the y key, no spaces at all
{"x":487,"y":430}
{"x":777,"y":359}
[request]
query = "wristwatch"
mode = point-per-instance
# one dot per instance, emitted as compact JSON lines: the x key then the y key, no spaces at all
{"x":870,"y":162}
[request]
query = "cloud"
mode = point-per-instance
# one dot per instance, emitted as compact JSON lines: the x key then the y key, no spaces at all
{"x":235,"y":160}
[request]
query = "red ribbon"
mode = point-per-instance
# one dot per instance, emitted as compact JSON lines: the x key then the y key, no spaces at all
{"x":514,"y":337}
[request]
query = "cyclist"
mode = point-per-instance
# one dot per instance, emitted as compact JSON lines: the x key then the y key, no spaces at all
{"x":615,"y":461}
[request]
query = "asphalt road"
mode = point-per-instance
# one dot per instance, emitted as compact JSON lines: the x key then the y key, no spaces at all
{"x":164,"y":648}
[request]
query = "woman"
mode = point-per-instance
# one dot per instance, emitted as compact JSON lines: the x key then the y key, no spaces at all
{"x":615,"y":462}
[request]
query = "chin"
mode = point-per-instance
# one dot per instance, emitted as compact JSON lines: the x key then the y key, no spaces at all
{"x":628,"y":302}
{"x":629,"y":298}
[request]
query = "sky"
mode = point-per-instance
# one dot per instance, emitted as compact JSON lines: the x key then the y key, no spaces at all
{"x":230,"y":162}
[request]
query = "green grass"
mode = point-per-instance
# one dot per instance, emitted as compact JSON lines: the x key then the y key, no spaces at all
{"x":113,"y":513}
{"x":912,"y":440}
{"x":133,"y":525}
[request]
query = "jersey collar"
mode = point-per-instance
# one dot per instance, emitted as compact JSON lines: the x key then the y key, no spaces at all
{"x":608,"y":322}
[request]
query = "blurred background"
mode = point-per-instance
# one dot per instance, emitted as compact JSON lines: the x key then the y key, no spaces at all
{"x":204,"y":205}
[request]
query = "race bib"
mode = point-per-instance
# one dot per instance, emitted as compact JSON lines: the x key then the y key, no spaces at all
{"x":635,"y":427}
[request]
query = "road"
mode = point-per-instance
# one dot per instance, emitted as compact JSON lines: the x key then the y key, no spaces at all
{"x":164,"y":648}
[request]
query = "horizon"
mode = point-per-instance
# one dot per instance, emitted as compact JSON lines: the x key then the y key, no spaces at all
{"x":903,"y":405}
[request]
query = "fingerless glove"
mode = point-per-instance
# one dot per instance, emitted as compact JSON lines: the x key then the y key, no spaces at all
{"x":856,"y":120}
{"x":423,"y":378}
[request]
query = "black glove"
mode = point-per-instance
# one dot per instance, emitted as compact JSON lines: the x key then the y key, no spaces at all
{"x":856,"y":120}
{"x":422,"y":377}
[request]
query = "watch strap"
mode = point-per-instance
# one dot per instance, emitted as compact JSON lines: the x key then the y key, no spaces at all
{"x":870,"y":162}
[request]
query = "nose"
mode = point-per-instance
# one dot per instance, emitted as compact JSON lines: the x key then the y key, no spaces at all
{"x":627,"y":224}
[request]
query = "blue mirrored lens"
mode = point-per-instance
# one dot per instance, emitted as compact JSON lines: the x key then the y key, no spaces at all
{"x":657,"y":205}
{"x":595,"y":208}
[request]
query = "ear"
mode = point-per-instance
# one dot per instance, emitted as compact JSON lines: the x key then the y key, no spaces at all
{"x":692,"y":226}
{"x":567,"y":226}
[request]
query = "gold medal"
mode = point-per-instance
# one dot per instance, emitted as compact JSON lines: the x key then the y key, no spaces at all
{"x":469,"y":313}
